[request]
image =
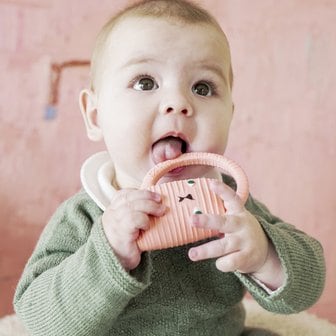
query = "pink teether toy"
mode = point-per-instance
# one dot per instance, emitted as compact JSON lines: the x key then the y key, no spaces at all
{"x":184,"y":198}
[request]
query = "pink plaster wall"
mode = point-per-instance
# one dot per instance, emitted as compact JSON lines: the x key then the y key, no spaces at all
{"x":283,"y":133}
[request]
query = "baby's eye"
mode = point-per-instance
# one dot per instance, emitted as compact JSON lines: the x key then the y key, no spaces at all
{"x":145,"y":84}
{"x":203,"y":89}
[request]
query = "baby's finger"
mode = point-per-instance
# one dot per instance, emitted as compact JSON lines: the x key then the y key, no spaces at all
{"x":140,"y":221}
{"x":228,"y":263}
{"x":127,"y":196}
{"x":232,"y":202}
{"x":221,"y":223}
{"x":211,"y":222}
{"x":213,"y":249}
{"x":148,"y":206}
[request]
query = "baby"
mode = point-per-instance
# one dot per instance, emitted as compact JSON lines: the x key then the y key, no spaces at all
{"x":161,"y":84}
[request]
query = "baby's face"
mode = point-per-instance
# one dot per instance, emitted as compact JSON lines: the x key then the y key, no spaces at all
{"x":164,"y":90}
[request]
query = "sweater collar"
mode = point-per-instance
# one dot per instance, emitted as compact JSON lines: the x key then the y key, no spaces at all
{"x":97,"y":176}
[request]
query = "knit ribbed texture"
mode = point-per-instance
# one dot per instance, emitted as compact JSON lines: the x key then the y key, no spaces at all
{"x":74,"y":285}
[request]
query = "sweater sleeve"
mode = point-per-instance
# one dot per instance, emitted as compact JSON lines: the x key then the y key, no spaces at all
{"x":302,"y":259}
{"x":73,"y":284}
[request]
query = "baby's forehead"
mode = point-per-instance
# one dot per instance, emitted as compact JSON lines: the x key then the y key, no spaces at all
{"x":131,"y":27}
{"x":156,"y":31}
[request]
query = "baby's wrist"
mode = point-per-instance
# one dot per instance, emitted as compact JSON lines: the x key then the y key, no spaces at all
{"x":271,"y":274}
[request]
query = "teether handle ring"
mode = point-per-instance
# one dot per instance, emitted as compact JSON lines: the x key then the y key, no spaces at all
{"x":206,"y":159}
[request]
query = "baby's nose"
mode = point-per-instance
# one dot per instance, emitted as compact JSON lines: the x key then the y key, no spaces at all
{"x":171,"y":109}
{"x":176,"y":104}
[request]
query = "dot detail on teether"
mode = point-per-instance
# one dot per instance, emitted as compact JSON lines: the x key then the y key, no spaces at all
{"x":191,"y":182}
{"x":197,"y":211}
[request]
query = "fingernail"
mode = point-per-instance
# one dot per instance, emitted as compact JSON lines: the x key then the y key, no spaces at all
{"x":192,"y":254}
{"x":162,"y":208}
{"x":195,"y":220}
{"x":157,"y":197}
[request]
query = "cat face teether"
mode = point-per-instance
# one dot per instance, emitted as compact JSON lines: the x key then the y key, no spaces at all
{"x":185,"y":197}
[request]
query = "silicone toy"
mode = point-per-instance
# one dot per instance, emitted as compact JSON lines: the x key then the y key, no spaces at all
{"x":185,"y":197}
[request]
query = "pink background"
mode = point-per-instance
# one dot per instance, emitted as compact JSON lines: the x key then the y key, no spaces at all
{"x":283,"y":133}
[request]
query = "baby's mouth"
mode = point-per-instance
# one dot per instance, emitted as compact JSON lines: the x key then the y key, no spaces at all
{"x":168,"y":148}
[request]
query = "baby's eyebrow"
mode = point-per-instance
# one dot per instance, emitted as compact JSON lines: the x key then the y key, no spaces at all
{"x":218,"y":70}
{"x":137,"y":61}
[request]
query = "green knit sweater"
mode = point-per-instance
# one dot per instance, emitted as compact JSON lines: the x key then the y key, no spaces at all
{"x":74,"y":285}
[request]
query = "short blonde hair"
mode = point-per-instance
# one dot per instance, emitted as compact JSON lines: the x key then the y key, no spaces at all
{"x":180,"y":10}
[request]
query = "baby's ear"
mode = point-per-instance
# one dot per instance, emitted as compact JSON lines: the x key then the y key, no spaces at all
{"x":88,"y":107}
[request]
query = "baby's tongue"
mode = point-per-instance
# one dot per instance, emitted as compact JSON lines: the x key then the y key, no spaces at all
{"x":166,"y":149}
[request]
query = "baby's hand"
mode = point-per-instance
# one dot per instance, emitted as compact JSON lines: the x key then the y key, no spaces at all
{"x":127,"y":214}
{"x":243,"y":246}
